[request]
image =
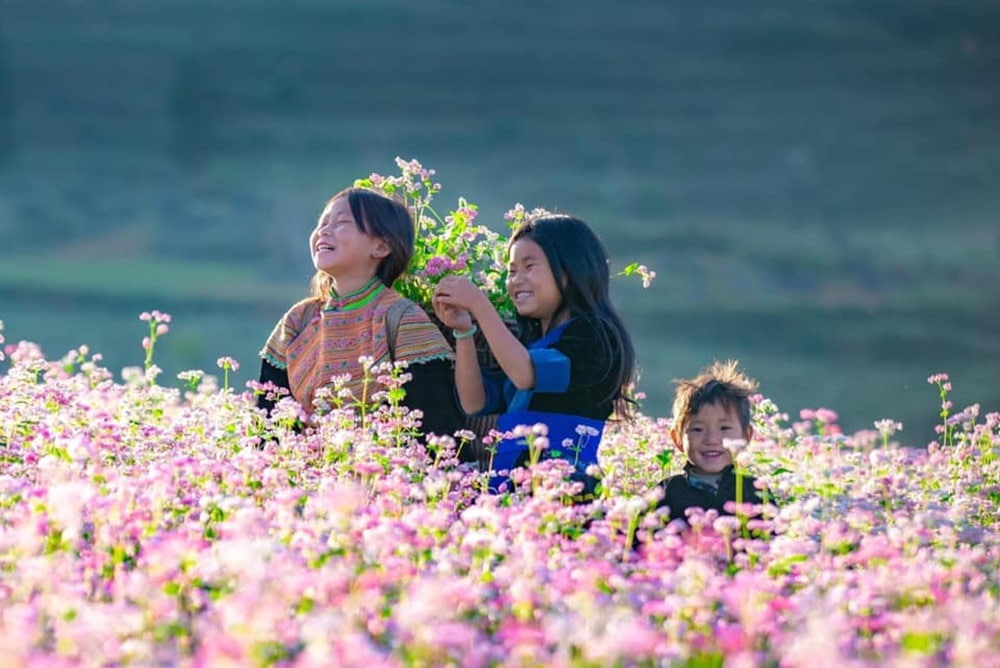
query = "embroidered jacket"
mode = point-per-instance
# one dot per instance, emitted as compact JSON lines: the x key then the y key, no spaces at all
{"x":315,"y":341}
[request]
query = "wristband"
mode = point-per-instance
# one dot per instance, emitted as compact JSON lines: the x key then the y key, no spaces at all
{"x":466,"y":334}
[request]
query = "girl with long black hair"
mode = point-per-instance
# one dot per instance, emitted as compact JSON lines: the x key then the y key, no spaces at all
{"x":571,"y":365}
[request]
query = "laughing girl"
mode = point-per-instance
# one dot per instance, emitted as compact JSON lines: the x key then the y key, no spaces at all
{"x":362,"y":242}
{"x":572,"y":361}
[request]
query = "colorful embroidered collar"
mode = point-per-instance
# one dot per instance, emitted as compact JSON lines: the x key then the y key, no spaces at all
{"x":354,"y":300}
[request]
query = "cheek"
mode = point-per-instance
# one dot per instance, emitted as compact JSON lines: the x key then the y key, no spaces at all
{"x":544,"y":277}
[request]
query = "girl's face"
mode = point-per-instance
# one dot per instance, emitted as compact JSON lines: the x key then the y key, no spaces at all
{"x":340,"y":248}
{"x":531,"y":285}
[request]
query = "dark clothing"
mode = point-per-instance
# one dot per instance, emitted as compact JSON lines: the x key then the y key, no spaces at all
{"x":271,"y":374}
{"x":429,"y":390}
{"x":682,"y":491}
{"x":573,"y":375}
{"x":573,"y":395}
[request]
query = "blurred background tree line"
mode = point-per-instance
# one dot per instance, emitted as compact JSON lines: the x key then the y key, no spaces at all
{"x":815,"y":183}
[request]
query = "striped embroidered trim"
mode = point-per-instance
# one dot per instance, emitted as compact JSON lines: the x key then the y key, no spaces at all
{"x":272,"y":360}
{"x":431,"y":358}
{"x":357,"y":299}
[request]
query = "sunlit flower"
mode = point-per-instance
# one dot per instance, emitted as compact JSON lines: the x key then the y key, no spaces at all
{"x":228,"y":363}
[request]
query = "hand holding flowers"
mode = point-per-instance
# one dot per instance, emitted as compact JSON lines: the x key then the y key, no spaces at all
{"x":456,"y":299}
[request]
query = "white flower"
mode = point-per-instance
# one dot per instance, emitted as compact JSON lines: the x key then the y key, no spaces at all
{"x":888,"y":427}
{"x":734,"y":445}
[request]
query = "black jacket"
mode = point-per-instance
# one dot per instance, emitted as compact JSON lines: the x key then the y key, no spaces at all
{"x":683,"y":492}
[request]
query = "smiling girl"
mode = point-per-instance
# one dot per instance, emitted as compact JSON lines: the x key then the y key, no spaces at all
{"x":362,"y":242}
{"x":572,"y":361}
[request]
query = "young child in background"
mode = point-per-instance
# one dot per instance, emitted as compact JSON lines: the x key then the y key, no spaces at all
{"x":362,"y":242}
{"x":572,"y":361}
{"x":710,"y":410}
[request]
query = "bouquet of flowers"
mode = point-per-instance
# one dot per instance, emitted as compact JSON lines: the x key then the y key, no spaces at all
{"x":454,"y":242}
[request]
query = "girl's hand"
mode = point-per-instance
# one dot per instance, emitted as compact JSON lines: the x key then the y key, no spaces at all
{"x":460,"y":292}
{"x":452,"y":316}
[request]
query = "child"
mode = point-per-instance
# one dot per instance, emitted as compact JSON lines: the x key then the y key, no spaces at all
{"x":573,"y":360}
{"x":362,"y":242}
{"x":709,"y":410}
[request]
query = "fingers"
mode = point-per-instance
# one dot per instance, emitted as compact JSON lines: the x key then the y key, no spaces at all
{"x":442,"y":289}
{"x":451,"y":283}
{"x":452,"y":316}
{"x":448,"y":314}
{"x":442,"y":311}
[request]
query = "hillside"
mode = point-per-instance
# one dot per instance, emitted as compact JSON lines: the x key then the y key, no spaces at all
{"x":814,"y":182}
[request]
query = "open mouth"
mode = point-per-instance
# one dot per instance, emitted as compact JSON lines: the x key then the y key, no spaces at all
{"x":323,"y":246}
{"x":521,"y":295}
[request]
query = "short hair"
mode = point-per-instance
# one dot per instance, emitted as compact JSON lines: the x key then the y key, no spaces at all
{"x":383,"y":218}
{"x":722,"y":383}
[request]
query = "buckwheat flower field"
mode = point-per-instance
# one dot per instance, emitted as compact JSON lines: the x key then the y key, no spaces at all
{"x":144,"y":524}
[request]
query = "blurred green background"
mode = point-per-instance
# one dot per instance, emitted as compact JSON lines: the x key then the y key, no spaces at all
{"x":814,"y":182}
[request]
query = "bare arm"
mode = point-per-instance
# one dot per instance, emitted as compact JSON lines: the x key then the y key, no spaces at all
{"x":468,"y":378}
{"x":512,"y":356}
{"x":510,"y":353}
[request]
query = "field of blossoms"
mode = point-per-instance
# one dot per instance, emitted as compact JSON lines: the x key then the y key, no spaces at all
{"x":155,"y":521}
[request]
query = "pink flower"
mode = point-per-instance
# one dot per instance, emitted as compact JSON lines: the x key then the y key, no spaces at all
{"x":228,"y":363}
{"x":826,"y":415}
{"x":437,"y":265}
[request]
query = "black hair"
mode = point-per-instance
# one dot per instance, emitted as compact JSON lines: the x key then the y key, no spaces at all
{"x":580,"y":266}
{"x":723,"y":384}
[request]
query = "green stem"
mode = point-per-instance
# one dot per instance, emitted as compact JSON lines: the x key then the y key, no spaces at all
{"x":152,"y":344}
{"x":633,"y":525}
{"x":739,"y":504}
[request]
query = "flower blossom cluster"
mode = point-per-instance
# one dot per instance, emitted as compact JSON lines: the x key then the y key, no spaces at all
{"x":142,"y":524}
{"x":455,"y":242}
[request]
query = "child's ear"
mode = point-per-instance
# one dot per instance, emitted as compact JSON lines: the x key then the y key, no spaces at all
{"x":677,"y":438}
{"x":381,"y":250}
